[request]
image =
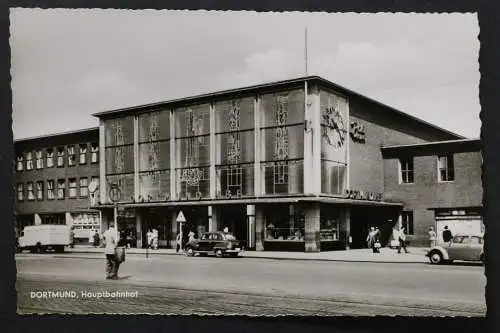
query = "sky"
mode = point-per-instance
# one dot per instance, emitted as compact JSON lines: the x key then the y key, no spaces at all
{"x":69,"y":64}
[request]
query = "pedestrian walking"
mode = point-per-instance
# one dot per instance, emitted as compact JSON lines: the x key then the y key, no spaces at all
{"x":402,"y":240}
{"x":369,"y":238}
{"x":432,"y":237}
{"x":112,"y":262}
{"x":376,"y":241}
{"x":178,"y":242}
{"x":447,"y":235}
{"x":72,"y":237}
{"x":191,"y":236}
{"x":96,"y":239}
{"x":149,"y":236}
{"x":155,"y":239}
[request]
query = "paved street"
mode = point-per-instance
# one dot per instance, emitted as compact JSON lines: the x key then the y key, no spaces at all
{"x":253,"y":286}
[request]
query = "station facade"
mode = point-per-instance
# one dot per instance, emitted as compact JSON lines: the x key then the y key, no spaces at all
{"x":294,"y":165}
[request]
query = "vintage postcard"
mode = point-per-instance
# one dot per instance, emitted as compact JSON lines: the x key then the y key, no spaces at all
{"x":262,"y":164}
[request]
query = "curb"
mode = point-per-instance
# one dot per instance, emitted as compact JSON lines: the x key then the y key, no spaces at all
{"x":72,"y":255}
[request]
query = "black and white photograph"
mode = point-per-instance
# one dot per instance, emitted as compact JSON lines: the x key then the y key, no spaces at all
{"x":247,"y":163}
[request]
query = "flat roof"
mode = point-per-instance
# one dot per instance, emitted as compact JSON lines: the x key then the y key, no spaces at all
{"x":463,"y":145}
{"x":264,"y":86}
{"x":80,"y":131}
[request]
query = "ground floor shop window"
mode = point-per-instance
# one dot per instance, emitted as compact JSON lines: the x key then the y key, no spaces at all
{"x":53,"y":218}
{"x":329,"y":224}
{"x":284,"y":224}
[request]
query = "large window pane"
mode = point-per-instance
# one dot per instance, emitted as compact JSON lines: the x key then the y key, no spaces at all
{"x":193,"y":151}
{"x":285,"y":177}
{"x":333,"y":176}
{"x":125,"y":184}
{"x":119,"y":131}
{"x":193,"y":183}
{"x":120,"y":159}
{"x":154,"y":156}
{"x":234,"y":115}
{"x":329,"y":223}
{"x":272,"y":104}
{"x":192,"y":121}
{"x":283,"y":143}
{"x":154,"y":186}
{"x":154,"y":126}
{"x":235,"y":180}
{"x":282,"y":223}
{"x":235,"y":147}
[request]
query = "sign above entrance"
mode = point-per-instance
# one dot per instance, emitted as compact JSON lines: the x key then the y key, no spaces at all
{"x":363,"y":195}
{"x":180,"y":217}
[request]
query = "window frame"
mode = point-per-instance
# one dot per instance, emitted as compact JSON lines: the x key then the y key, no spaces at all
{"x":71,"y":154}
{"x":63,"y":188}
{"x":20,"y":191}
{"x":85,"y":187}
{"x":39,"y":190}
{"x":51,"y":189}
{"x":29,"y":161}
{"x":449,"y":168}
{"x":30,"y":191}
{"x":39,"y":159}
{"x":49,"y":156}
{"x":409,"y":172}
{"x":20,"y":162}
{"x":94,"y":152}
{"x":82,"y":154}
{"x":60,"y":153}
{"x":72,"y":186}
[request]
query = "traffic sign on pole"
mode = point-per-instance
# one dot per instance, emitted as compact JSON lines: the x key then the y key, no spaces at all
{"x":180,"y":217}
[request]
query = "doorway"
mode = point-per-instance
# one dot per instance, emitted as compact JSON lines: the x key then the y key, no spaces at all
{"x":234,"y":217}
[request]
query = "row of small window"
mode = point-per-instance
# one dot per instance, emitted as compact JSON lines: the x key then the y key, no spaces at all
{"x":35,"y":190}
{"x":445,"y":164}
{"x":40,"y":161}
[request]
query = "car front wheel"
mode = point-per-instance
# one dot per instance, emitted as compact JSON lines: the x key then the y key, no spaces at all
{"x":436,"y":258}
{"x":190,"y":252}
{"x":218,"y":253}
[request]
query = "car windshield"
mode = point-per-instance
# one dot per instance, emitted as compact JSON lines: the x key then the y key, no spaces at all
{"x":230,"y":237}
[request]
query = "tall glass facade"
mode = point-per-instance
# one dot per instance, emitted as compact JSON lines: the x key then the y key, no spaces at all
{"x":192,"y":151}
{"x":282,"y":134}
{"x":230,"y":125}
{"x":334,"y":139}
{"x":154,"y":156}
{"x":119,"y":156}
{"x":234,"y":128}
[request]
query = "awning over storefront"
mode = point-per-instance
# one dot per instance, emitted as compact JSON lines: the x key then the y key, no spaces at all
{"x":254,"y":201}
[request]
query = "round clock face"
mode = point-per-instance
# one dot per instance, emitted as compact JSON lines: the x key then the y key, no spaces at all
{"x":93,"y":187}
{"x":335,"y":132}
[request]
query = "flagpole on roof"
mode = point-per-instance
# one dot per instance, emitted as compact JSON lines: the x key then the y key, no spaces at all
{"x":305,"y":49}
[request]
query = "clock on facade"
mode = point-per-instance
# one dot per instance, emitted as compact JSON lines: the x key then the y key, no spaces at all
{"x":334,"y":131}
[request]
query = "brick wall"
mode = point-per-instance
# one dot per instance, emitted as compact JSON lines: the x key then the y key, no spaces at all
{"x":427,"y":192}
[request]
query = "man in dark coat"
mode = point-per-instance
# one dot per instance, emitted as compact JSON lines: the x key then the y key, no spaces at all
{"x":447,"y":234}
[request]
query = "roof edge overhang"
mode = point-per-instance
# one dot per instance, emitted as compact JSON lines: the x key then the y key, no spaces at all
{"x":254,"y":201}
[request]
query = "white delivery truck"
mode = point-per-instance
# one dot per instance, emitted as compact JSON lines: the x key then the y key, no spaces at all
{"x":40,"y":238}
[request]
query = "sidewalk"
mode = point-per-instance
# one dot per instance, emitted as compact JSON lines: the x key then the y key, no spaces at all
{"x":386,"y":255}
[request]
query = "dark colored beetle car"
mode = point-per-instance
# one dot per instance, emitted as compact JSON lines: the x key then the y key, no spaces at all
{"x":218,"y":243}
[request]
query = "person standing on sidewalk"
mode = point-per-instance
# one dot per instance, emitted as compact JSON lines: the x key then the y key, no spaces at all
{"x":369,"y":239}
{"x":432,"y":237}
{"x":376,"y":241}
{"x":447,"y":235}
{"x":178,"y":242}
{"x":402,"y":240}
{"x":112,"y":263}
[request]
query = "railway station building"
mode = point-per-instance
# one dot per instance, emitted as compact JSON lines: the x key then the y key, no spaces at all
{"x":296,"y":165}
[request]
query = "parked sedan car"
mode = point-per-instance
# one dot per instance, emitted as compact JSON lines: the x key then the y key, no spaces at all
{"x":461,"y":247}
{"x":218,"y":243}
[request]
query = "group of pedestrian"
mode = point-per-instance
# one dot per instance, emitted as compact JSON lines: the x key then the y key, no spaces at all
{"x":180,"y":242}
{"x":373,"y":239}
{"x":446,"y":236}
{"x":152,"y":236}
